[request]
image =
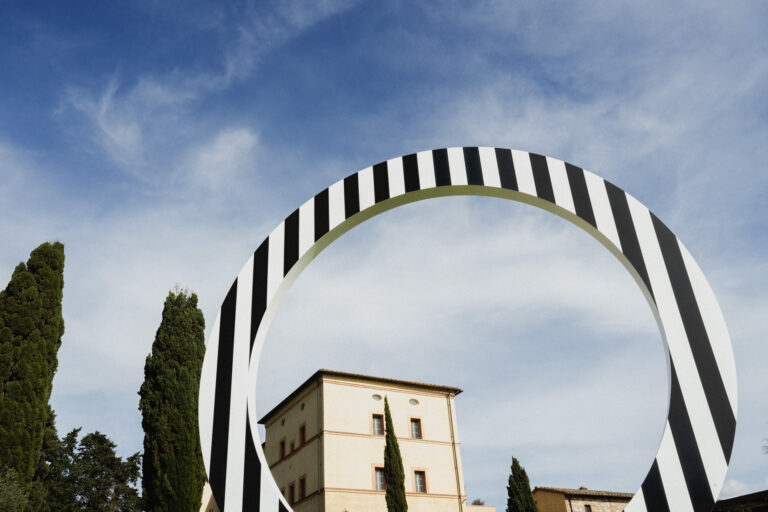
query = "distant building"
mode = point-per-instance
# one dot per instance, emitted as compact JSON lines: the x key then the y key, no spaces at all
{"x":324,"y":444}
{"x":209,"y":504}
{"x":755,"y":502}
{"x":554,"y":499}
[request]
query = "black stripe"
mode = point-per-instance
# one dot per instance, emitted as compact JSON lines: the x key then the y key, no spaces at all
{"x":706,"y":364}
{"x":442,"y":170}
{"x":221,"y":407}
{"x":281,"y":507}
{"x":291,"y":241}
{"x":541,"y":177}
{"x":580,"y":193}
{"x":259,"y":290}
{"x":687,"y":449}
{"x":380,"y":182}
{"x":411,"y":172}
{"x":472,"y":165}
{"x":626,"y":230}
{"x":321,"y":214}
{"x":506,"y":169}
{"x":351,"y":196}
{"x":251,"y":473}
{"x":653,"y":491}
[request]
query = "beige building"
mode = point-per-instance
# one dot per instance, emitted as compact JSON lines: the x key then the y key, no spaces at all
{"x":553,"y":499}
{"x":324,"y":444}
{"x":209,"y":504}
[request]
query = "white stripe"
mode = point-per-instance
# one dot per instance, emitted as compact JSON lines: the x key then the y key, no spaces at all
{"x":672,"y":474}
{"x":426,"y":170}
{"x":269,"y":492}
{"x":239,"y":394}
{"x":396,"y":177}
{"x":490,"y":167}
{"x":523,"y":172}
{"x":207,"y":398}
{"x":560,"y":184}
{"x":601,"y":207}
{"x":679,"y":348}
{"x":365,"y":187}
{"x":637,"y":503}
{"x":456,"y":166}
{"x":335,"y":204}
{"x":715,"y":325}
{"x":306,"y":226}
{"x":275,"y":260}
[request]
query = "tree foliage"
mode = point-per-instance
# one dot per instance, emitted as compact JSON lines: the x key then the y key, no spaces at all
{"x":519,"y":496}
{"x":88,"y":476}
{"x":13,"y":496}
{"x":394,"y":475}
{"x":173,"y":468}
{"x":31,"y":327}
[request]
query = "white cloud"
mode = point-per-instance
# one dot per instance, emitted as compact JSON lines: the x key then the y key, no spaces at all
{"x":117,"y":129}
{"x":733,"y":487}
{"x":222,"y":160}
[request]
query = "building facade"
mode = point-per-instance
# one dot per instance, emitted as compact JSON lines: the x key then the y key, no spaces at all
{"x":555,"y":499}
{"x":324,"y":444}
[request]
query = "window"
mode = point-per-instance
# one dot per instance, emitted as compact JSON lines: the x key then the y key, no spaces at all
{"x":292,"y":494}
{"x":381,"y":483}
{"x":587,"y":508}
{"x":282,"y":449}
{"x":378,"y":425}
{"x":293,"y":447}
{"x":420,"y":478}
{"x":415,"y":428}
{"x":302,"y":435}
{"x":302,"y":488}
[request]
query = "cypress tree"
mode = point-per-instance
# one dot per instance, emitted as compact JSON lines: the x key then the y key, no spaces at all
{"x":394,"y":475}
{"x":519,"y":495}
{"x":173,"y":471}
{"x":31,"y":327}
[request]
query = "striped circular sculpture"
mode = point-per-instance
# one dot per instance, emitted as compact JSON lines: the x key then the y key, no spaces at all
{"x":692,"y":461}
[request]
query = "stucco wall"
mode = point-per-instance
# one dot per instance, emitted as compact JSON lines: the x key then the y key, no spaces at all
{"x":342,"y":451}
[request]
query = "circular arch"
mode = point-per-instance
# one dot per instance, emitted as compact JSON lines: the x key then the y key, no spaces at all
{"x":692,"y":460}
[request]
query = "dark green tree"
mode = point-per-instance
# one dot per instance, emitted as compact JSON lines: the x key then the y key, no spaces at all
{"x":104,"y":481}
{"x":13,"y":496}
{"x":173,"y":468}
{"x":31,"y":327}
{"x":519,"y":495}
{"x":87,"y":476}
{"x":394,"y":475}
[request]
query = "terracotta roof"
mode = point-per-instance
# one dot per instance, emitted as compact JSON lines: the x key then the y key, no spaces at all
{"x":323,"y":372}
{"x":583,"y":491}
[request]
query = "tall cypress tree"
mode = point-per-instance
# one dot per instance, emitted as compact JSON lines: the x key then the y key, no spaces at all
{"x":394,"y":475}
{"x":173,"y":471}
{"x":519,"y":496}
{"x":31,"y":327}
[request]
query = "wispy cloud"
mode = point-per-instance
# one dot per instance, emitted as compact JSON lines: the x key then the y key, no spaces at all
{"x":151,"y":125}
{"x":222,"y":161}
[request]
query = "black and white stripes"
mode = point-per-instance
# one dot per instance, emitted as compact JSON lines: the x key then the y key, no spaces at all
{"x":692,"y":460}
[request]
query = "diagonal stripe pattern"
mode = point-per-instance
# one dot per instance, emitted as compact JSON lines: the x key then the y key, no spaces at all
{"x":691,"y":464}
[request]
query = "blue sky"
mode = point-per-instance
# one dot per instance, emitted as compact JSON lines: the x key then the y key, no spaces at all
{"x":162,"y":141}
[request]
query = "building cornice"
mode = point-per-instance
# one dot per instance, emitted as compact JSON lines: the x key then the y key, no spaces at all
{"x":323,"y":372}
